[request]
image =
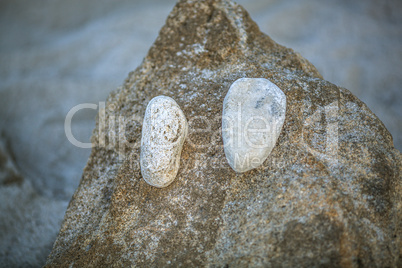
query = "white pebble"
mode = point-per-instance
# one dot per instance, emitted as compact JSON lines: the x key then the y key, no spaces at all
{"x":163,"y":133}
{"x":253,"y":115}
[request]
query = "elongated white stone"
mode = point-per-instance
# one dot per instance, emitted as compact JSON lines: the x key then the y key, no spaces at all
{"x":253,"y":115}
{"x":163,"y":133}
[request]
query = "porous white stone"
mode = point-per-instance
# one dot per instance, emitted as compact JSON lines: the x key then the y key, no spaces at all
{"x":163,"y":133}
{"x":253,"y":115}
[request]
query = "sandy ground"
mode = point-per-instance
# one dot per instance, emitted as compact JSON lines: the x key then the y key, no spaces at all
{"x":58,"y":54}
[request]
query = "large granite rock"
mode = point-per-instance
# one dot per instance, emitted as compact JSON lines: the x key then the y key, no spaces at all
{"x":329,"y":194}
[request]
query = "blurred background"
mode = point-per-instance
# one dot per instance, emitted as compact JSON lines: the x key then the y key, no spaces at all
{"x":57,"y":54}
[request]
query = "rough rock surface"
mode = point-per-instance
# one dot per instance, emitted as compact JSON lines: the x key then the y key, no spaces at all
{"x":328,"y":194}
{"x":253,"y":115}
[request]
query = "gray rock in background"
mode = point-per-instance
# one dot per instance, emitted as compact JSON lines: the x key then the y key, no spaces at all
{"x":28,"y":221}
{"x":57,"y":54}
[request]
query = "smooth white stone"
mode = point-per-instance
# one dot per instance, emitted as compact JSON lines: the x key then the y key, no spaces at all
{"x":163,"y":133}
{"x":253,"y":115}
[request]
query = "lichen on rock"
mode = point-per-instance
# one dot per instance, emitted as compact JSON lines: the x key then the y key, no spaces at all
{"x":328,"y":194}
